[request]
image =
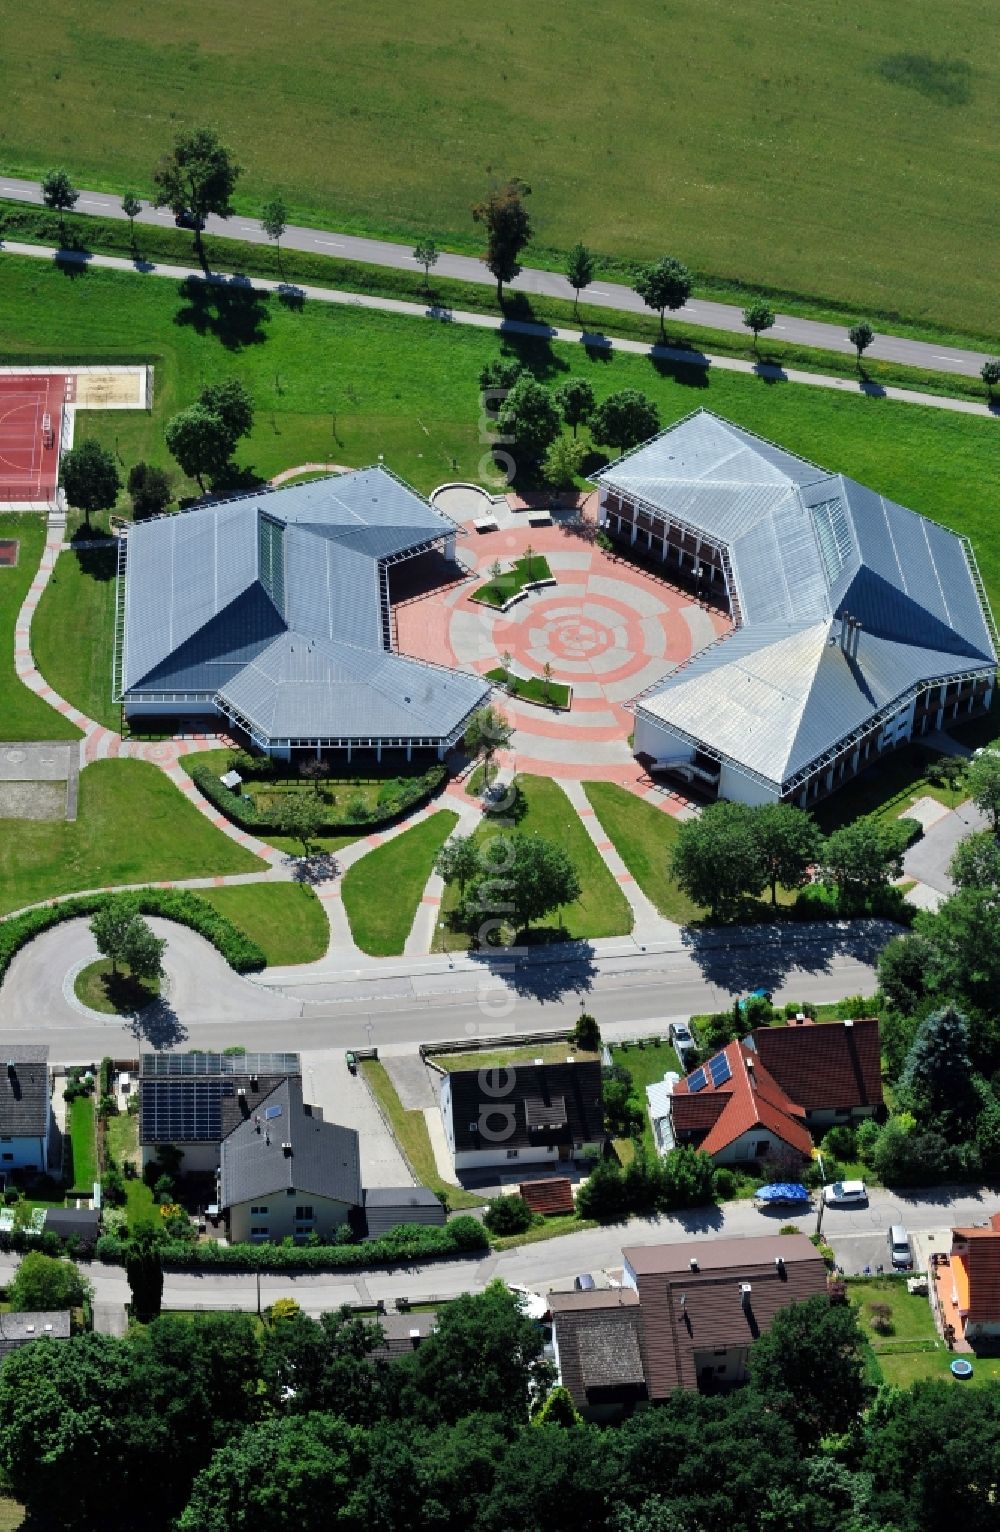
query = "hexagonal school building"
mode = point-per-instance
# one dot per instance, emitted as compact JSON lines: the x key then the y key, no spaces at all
{"x":272,"y":612}
{"x":857,"y":624}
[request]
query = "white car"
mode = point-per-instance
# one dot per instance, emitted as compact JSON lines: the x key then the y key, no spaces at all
{"x":680,"y":1035}
{"x":842,"y":1194}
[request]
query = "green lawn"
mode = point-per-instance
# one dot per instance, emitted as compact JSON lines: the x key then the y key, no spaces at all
{"x":887,"y":789}
{"x":533,"y":688}
{"x":646,"y":1065}
{"x":22,"y":714}
{"x":72,"y":632}
{"x":285,"y":919}
{"x":80,"y":1114}
{"x":644,"y":838}
{"x":382,"y":891}
{"x":113,"y":993}
{"x":503,"y":1058}
{"x":512,"y":581}
{"x":409,"y":1129}
{"x":914,"y":1350}
{"x":601,"y":910}
{"x":133,"y":827}
{"x":337,"y":383}
{"x":409,"y":119}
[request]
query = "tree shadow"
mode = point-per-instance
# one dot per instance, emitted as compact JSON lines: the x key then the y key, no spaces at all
{"x":535,"y":354}
{"x":598,"y":347}
{"x":236,"y":479}
{"x":227,"y":308}
{"x":687,"y":374}
{"x":542,"y":973}
{"x":291,"y":297}
{"x":159,"y":1025}
{"x":738,"y":958}
{"x":72,"y":263}
{"x":99,"y":563}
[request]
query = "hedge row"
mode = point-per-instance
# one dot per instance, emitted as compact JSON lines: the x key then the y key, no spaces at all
{"x":409,"y":1242}
{"x":238,"y":949}
{"x":412,"y":793}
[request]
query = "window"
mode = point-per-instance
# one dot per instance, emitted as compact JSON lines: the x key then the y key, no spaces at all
{"x":720,"y":1351}
{"x":256,"y":1211}
{"x":8,"y":1156}
{"x":258,"y":1231}
{"x":5,"y":1138}
{"x":304,"y":1214}
{"x":512,"y":1154}
{"x":763,"y":1145}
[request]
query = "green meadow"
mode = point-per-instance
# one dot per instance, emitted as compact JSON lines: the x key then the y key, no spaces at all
{"x":842,"y":152}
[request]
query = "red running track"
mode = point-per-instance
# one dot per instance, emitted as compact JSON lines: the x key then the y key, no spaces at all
{"x":29,"y":465}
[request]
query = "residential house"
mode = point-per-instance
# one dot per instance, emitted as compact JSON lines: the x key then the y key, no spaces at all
{"x":833,"y":1070}
{"x":20,"y":1329}
{"x":403,"y":1333}
{"x":192,"y":1101}
{"x":27,"y":1125}
{"x":704,"y":1303}
{"x":284,"y":1172}
{"x":386,"y":1207}
{"x":975,"y":1279}
{"x":735,"y":1111}
{"x":524,"y":1114}
{"x":597,"y":1345}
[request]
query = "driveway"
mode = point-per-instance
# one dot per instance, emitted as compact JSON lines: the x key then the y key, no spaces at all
{"x":328,"y":1083}
{"x":927,"y":860}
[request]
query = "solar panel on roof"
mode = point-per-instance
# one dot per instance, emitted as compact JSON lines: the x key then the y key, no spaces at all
{"x":177,"y":1065}
{"x":272,"y":1111}
{"x":697,"y":1081}
{"x":719,"y":1069}
{"x":187,"y":1112}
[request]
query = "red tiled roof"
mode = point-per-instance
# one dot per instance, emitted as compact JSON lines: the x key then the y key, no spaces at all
{"x":750,"y":1099}
{"x":981,"y":1256}
{"x":836,"y":1064}
{"x":554,"y":1194}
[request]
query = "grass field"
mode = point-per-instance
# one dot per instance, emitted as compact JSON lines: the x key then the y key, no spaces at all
{"x":285,"y":919}
{"x":80,"y":1114}
{"x":887,"y":789}
{"x":382,"y":891}
{"x":646,"y":1065}
{"x":72,"y":632}
{"x":749,"y":149}
{"x":409,"y":1129}
{"x":601,"y":910}
{"x":133,"y":827}
{"x":644,"y":838}
{"x":338,"y":384}
{"x":122,"y":1143}
{"x":503,"y":1058}
{"x":22,"y":714}
{"x":113,"y":993}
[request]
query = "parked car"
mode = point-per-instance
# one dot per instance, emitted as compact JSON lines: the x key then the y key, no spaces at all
{"x":185,"y":219}
{"x":900,"y":1253}
{"x":681,"y":1036}
{"x":584,"y":1283}
{"x":843,"y":1194}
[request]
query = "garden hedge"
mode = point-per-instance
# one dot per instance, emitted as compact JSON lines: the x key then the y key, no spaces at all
{"x":238,"y":949}
{"x":412,"y":793}
{"x":400,"y":1246}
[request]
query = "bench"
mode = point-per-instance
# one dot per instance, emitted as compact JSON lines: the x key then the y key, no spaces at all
{"x":539,"y":519}
{"x":486,"y":524}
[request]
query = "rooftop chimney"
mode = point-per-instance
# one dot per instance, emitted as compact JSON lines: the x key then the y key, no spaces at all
{"x":693,"y":1263}
{"x":779,"y":1265}
{"x":848,"y":1023}
{"x":845,"y":629}
{"x":286,"y":1150}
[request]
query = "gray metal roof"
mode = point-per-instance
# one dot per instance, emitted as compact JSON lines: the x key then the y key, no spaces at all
{"x":323,"y":1160}
{"x":273,"y":605}
{"x":805,"y":547}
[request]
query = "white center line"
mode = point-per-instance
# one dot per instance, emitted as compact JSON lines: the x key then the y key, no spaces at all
{"x":338,"y":242}
{"x":939,"y":358}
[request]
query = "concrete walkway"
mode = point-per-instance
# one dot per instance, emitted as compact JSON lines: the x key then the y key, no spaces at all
{"x":765,"y":371}
{"x":648,"y":923}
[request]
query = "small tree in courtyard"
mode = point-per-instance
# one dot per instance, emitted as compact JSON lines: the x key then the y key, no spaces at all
{"x":488,"y":732}
{"x":458,"y":861}
{"x":301,"y":818}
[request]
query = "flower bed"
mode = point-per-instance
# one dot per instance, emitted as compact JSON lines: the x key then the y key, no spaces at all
{"x":505,"y":589}
{"x":551,"y":694}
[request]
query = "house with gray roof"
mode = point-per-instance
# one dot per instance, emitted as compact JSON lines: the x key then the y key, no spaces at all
{"x":21,"y":1329}
{"x":190,"y":1102}
{"x":272,"y":611}
{"x":284,"y":1172}
{"x":27,"y":1125}
{"x":858,"y":624}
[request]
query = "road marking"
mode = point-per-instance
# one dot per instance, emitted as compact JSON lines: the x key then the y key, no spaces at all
{"x":338,"y":242}
{"x":253,"y":227}
{"x":90,"y":202}
{"x":939,"y":358}
{"x":779,"y":327}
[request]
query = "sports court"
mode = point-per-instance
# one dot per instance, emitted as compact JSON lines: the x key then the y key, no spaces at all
{"x":31,"y":408}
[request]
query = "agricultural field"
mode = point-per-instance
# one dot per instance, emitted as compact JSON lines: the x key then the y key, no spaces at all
{"x":749,"y":149}
{"x":334,"y":384}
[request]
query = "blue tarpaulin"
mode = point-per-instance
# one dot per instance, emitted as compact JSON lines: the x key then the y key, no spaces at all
{"x":782,"y":1191}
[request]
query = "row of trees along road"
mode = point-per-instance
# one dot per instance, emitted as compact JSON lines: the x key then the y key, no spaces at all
{"x":218,"y":1422}
{"x":198,"y":178}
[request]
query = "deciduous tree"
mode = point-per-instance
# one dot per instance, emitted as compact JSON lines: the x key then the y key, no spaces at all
{"x":976,"y":862}
{"x":982,"y":778}
{"x":200,"y":442}
{"x":458,"y":861}
{"x":142,"y":950}
{"x":575,"y":398}
{"x":489,"y":731}
{"x":131,"y":207}
{"x":664,"y":284}
{"x":425,"y":253}
{"x":109,"y":927}
{"x":198,"y":177}
{"x":861,"y":336}
{"x":789,"y":841}
{"x":59,"y":194}
{"x":90,"y":478}
{"x":150,"y":490}
{"x":624,"y":419}
{"x":528,"y":417}
{"x":508,"y":229}
{"x":990,"y":374}
{"x":46,"y":1282}
{"x":579,"y":271}
{"x":525,"y":876}
{"x":301,"y":817}
{"x":862,"y":857}
{"x":563,"y":462}
{"x":274,"y":221}
{"x":718,"y":858}
{"x":810,"y":1369}
{"x":144,"y":1271}
{"x":758,"y":316}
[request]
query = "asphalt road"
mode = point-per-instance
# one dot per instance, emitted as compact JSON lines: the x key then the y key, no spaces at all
{"x":610,"y":295}
{"x":551,"y":1264}
{"x":631,"y":990}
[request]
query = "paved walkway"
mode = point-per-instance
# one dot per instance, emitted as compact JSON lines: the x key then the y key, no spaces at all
{"x":647,"y":921}
{"x":689,"y":358}
{"x":379,"y":252}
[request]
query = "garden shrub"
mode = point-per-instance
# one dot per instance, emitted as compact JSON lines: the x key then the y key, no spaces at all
{"x":396,"y":796}
{"x":840,"y":1142}
{"x":238,"y":949}
{"x":725,"y":1182}
{"x":508,"y":1215}
{"x":400,"y":1246}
